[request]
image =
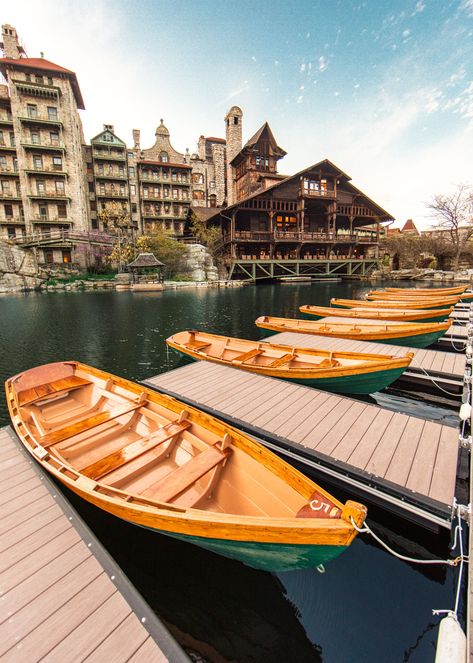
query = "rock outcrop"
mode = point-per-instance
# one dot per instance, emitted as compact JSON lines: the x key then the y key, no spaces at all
{"x":18,"y":269}
{"x":199,"y":264}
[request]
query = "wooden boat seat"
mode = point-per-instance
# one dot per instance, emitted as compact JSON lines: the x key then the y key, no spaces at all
{"x":280,"y":361}
{"x":48,"y":389}
{"x":246,"y":356}
{"x":130,"y":452}
{"x":90,"y":422}
{"x":196,"y":345}
{"x":184,"y":476}
{"x":328,"y":363}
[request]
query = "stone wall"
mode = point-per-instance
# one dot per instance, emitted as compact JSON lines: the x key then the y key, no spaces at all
{"x":18,"y":269}
{"x":199,"y":264}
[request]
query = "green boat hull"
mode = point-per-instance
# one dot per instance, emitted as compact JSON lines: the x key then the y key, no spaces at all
{"x":366,"y":383}
{"x":272,"y":557}
{"x":419,"y":341}
{"x":430,"y":308}
{"x":440,"y":318}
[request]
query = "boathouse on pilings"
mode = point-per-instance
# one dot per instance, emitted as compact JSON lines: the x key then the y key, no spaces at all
{"x":315,"y":222}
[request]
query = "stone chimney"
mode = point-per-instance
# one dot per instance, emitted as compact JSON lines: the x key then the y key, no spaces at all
{"x":201,"y":148}
{"x":10,"y":44}
{"x":233,"y":134}
{"x":136,"y":139}
{"x":109,"y":127}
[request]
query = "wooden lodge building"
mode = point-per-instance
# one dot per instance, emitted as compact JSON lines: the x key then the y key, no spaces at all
{"x":313,"y":222}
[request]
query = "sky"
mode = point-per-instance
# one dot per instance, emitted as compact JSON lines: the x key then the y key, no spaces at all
{"x":384,"y":89}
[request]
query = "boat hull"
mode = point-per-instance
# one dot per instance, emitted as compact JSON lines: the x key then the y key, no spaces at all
{"x":427,"y":316}
{"x":361,"y":383}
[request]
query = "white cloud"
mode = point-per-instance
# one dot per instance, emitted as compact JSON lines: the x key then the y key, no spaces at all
{"x":302,"y":67}
{"x":323,"y":64}
{"x":420,"y":6}
{"x":467,"y":6}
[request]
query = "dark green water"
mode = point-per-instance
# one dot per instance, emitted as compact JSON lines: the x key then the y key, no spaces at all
{"x":367,"y":606}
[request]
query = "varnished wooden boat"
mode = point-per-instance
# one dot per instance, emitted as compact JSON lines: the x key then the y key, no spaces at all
{"x":403,"y":315}
{"x":341,"y":372}
{"x":428,"y":302}
{"x":412,"y":303}
{"x":458,"y":290}
{"x":150,"y":460}
{"x":415,"y":335}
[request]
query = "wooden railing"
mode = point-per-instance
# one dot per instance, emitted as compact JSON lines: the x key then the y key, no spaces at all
{"x":66,"y":236}
{"x":298,"y":236}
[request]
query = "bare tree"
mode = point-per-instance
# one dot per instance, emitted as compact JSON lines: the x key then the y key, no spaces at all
{"x":454,"y":213}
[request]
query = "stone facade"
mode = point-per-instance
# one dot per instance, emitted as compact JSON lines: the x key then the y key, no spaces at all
{"x":208,"y":173}
{"x":43,"y":184}
{"x":233,"y":135}
{"x":18,"y":269}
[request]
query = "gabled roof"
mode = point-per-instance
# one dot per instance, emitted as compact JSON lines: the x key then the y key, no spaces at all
{"x":250,"y":144}
{"x":213,"y":139}
{"x":327,"y":166}
{"x":99,"y":138}
{"x":410,"y":226}
{"x":40,"y":64}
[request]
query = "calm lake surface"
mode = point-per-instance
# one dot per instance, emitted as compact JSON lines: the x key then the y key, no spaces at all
{"x":367,"y":607}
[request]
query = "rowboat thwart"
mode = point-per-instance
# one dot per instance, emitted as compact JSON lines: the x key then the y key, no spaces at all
{"x":406,"y":315}
{"x":341,"y":372}
{"x":152,"y":461}
{"x":412,"y":303}
{"x":416,"y":335}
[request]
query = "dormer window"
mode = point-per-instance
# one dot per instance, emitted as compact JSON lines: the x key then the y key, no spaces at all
{"x":164,"y":157}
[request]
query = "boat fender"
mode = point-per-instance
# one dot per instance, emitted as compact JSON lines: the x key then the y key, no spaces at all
{"x":465,"y":412}
{"x":451,"y":641}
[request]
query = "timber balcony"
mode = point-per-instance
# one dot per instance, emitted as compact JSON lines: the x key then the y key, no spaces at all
{"x":297,"y":236}
{"x":53,"y":146}
{"x":46,"y":121}
{"x":9,"y":172}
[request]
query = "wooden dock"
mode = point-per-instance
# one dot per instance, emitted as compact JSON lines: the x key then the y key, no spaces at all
{"x":406,"y":463}
{"x":63,"y":597}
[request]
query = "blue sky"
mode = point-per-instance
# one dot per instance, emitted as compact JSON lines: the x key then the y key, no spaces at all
{"x":383,"y":89}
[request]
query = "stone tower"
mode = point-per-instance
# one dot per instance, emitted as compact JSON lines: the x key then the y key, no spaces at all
{"x":10,"y":44}
{"x":233,"y":134}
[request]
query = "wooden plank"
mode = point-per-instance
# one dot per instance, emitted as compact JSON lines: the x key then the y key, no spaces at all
{"x":28,"y":396}
{"x":25,"y":529}
{"x":460,"y":364}
{"x":148,"y":652}
{"x":364,"y":450}
{"x":400,"y":465}
{"x":122,"y":644}
{"x":348,"y":443}
{"x":184,"y":476}
{"x":420,"y":475}
{"x":51,"y":572}
{"x":16,"y":480}
{"x":345,"y":422}
{"x":87,"y":424}
{"x":382,"y":455}
{"x":26,"y":498}
{"x":122,"y":456}
{"x":321,"y":428}
{"x":245,"y":356}
{"x":303,"y":429}
{"x":35,"y":541}
{"x":438,"y":361}
{"x":35,"y":561}
{"x":92,"y":632}
{"x":62,"y":613}
{"x":280,"y":361}
{"x":270,"y":418}
{"x":27,"y":512}
{"x":253,"y":408}
{"x":20,"y":488}
{"x":442,"y":486}
{"x":304,"y":406}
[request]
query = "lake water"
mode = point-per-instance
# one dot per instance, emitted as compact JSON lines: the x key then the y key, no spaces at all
{"x":367,"y":606}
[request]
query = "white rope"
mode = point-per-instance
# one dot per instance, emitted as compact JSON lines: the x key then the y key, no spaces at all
{"x":366,"y":529}
{"x":449,"y":393}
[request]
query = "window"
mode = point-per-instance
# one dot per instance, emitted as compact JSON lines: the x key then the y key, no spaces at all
{"x":66,"y":255}
{"x":235,"y":120}
{"x":39,"y":79}
{"x":50,"y":80}
{"x":174,"y":194}
{"x":183,"y":178}
{"x":8,"y":210}
{"x":43,"y":212}
{"x":213,"y":201}
{"x":164,"y":157}
{"x":174,"y":177}
{"x":110,"y":169}
{"x":212,"y":185}
{"x":12,"y":139}
{"x":2,"y":138}
{"x":52,"y":113}
{"x":145,"y":192}
{"x":35,"y":136}
{"x":102,"y":188}
{"x":54,"y":137}
{"x":166,"y":192}
{"x":11,"y":231}
{"x":40,"y":186}
{"x":15,"y":164}
{"x":198,"y":195}
{"x":48,"y":256}
{"x":28,"y":77}
{"x":100,"y":168}
{"x":134,"y":207}
{"x":32,"y":110}
{"x":3,"y":162}
{"x":91,"y":187}
{"x":121,"y":171}
{"x":198,"y":178}
{"x":37,"y":162}
{"x":5,"y":186}
{"x":122,"y":190}
{"x":62,"y":211}
{"x":95,"y":225}
{"x":133,"y":189}
{"x":131,"y":171}
{"x":57,"y":163}
{"x":59,"y":187}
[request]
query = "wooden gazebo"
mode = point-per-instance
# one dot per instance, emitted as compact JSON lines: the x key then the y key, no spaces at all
{"x":146,"y":268}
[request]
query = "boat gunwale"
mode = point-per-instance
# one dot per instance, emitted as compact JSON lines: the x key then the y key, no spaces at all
{"x":413,"y":314}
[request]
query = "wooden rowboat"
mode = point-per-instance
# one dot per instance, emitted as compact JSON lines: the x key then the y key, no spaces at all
{"x":341,"y":372}
{"x":428,"y":302}
{"x":458,"y":290}
{"x":149,"y":459}
{"x":406,"y":315}
{"x":413,"y":303}
{"x":415,"y":335}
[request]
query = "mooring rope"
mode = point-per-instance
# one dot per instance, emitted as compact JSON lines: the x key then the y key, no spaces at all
{"x":449,"y":393}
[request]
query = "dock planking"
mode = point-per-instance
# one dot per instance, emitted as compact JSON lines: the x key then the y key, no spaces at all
{"x":58,"y":599}
{"x":408,"y":461}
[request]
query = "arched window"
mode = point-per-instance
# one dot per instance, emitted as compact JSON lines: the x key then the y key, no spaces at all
{"x":164,"y":157}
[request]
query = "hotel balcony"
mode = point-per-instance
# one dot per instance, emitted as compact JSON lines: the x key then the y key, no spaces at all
{"x":6,"y":122}
{"x":297,"y":236}
{"x":7,"y":148}
{"x":106,"y":156}
{"x":10,"y":195}
{"x":46,"y":121}
{"x":44,"y":147}
{"x":47,"y":172}
{"x":102,"y":176}
{"x":43,"y":220}
{"x":318,"y":193}
{"x":115,"y":195}
{"x":9,"y":172}
{"x":49,"y":195}
{"x":12,"y":221}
